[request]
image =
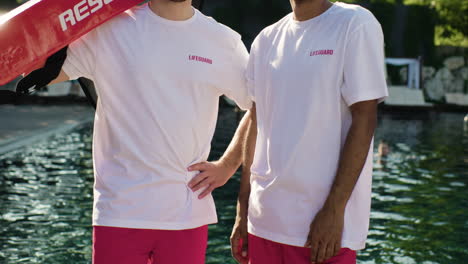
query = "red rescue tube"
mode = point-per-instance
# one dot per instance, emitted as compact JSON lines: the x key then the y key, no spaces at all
{"x":37,"y":29}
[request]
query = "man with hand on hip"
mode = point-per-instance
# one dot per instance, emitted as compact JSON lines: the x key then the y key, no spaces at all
{"x":316,"y":77}
{"x":159,"y":70}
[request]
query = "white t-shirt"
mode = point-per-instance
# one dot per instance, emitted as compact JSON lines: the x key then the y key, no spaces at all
{"x":303,"y":77}
{"x":159,"y":83}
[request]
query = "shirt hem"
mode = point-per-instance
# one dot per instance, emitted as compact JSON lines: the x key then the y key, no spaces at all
{"x":296,"y":241}
{"x":361,"y":98}
{"x":154,"y":224}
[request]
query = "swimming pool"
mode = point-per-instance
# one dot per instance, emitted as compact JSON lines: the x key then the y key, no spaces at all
{"x":420,"y":197}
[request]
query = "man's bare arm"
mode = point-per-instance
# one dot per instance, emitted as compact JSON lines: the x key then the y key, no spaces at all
{"x":354,"y":153}
{"x":215,"y":174}
{"x":239,"y":231}
{"x":248,"y":152}
{"x":327,"y":228}
{"x":232,"y":157}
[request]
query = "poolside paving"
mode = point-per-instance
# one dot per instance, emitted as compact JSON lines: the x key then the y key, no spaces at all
{"x":21,"y":125}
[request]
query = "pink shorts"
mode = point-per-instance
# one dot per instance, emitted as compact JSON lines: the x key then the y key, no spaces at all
{"x":262,"y":251}
{"x":113,"y":245}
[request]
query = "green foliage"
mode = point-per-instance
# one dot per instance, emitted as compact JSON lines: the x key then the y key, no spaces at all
{"x":452,"y":25}
{"x":451,"y":18}
{"x":452,"y":13}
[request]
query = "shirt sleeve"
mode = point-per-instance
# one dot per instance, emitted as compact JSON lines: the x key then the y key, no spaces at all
{"x":364,"y":65}
{"x":235,"y":87}
{"x":81,"y":57}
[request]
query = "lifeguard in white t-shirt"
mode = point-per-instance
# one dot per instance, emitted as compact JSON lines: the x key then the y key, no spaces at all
{"x":316,"y":77}
{"x":159,"y":70}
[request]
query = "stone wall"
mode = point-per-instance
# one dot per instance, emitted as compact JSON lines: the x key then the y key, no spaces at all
{"x":451,"y":78}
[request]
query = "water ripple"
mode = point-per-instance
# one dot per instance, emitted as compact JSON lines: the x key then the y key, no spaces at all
{"x":419,"y":200}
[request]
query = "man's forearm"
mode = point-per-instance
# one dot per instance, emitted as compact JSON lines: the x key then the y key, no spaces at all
{"x":244,"y":193}
{"x":248,"y":152}
{"x":354,"y":154}
{"x":215,"y":174}
{"x":232,"y":157}
{"x":239,"y":236}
